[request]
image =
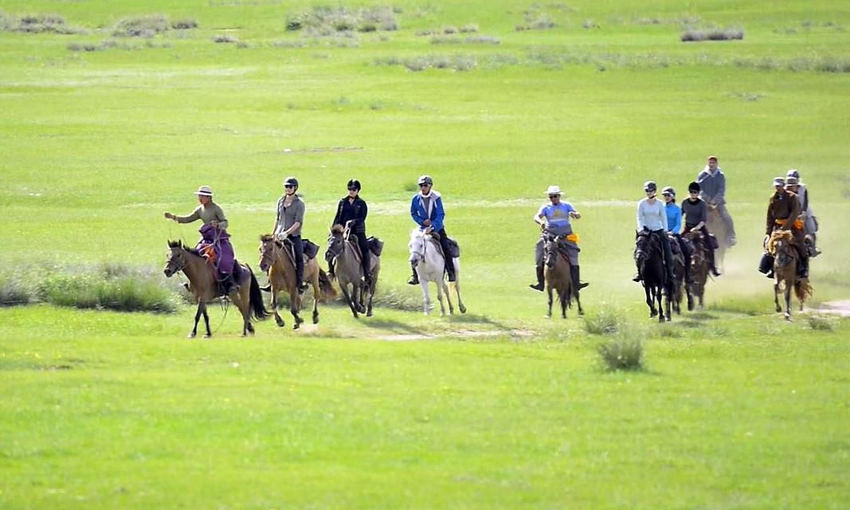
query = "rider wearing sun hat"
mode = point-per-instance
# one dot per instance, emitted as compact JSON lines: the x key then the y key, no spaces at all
{"x":555,"y":218}
{"x":288,"y":223}
{"x":810,"y":222}
{"x":426,"y":209}
{"x":213,"y":234}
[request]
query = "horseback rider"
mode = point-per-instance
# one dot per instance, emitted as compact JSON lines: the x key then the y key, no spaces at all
{"x":287,"y":226}
{"x":213,"y":235}
{"x":427,"y":211}
{"x":695,"y":212}
{"x":783,"y":213}
{"x":674,"y":226}
{"x":652,"y":217}
{"x":810,"y":222}
{"x":555,"y":218}
{"x":353,"y":209}
{"x":712,"y":183}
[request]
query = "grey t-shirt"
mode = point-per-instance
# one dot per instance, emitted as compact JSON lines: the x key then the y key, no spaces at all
{"x":287,"y":216}
{"x":694,"y":212}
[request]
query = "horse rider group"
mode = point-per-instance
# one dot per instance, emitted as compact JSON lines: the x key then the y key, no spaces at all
{"x":788,"y":208}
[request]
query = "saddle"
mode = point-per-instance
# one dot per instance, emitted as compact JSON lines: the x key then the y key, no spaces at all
{"x":310,"y":250}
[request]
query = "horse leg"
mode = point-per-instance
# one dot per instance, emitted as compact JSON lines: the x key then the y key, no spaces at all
{"x":426,"y":294}
{"x":565,"y":300}
{"x":776,"y":296}
{"x":295,"y":307}
{"x":277,"y":318}
{"x":440,"y":285}
{"x":207,"y":322}
{"x":787,"y":301}
{"x":194,"y":332}
{"x":659,"y":296}
{"x":359,"y":292}
{"x":667,"y":299}
{"x":549,"y":292}
{"x":650,"y":300}
{"x":447,"y":292}
{"x":344,"y":288}
{"x":460,"y":305}
{"x":316,"y":295}
{"x":240,"y":299}
{"x":371,"y":295}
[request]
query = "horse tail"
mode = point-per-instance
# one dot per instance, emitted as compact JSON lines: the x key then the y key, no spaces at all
{"x":803,"y":289}
{"x":255,"y":298}
{"x":325,"y":285}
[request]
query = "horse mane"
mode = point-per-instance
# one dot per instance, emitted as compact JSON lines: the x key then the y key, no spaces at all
{"x":266,"y":238}
{"x":337,"y":230}
{"x":179,"y":244}
{"x":776,"y":237}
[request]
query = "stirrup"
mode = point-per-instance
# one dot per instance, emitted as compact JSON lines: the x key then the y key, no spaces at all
{"x":636,"y":278}
{"x":302,"y":288}
{"x":582,"y":285}
{"x":539,"y":286}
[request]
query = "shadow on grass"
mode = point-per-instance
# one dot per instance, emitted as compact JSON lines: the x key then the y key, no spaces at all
{"x":392,"y":325}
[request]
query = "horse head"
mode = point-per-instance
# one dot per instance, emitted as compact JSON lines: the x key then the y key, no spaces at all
{"x":643,"y":245}
{"x":267,"y":251}
{"x":175,"y":258}
{"x":550,"y":249}
{"x":780,"y":246}
{"x":336,"y":242}
{"x":417,"y":246}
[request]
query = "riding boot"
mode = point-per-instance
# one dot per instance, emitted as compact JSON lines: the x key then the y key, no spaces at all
{"x":225,"y":285}
{"x":540,"y":285}
{"x":575,"y":272}
{"x":637,"y":277}
{"x":714,"y":271}
{"x":414,"y":278}
{"x":450,"y":270}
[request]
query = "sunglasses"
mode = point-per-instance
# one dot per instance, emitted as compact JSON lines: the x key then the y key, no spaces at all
{"x":352,"y":189}
{"x":554,"y":196}
{"x":667,"y":194}
{"x":289,"y":186}
{"x":424,"y":185}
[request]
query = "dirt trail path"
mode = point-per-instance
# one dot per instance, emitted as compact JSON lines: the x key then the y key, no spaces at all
{"x":841,"y":308}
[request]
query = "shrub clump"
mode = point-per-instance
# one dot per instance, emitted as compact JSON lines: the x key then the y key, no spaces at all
{"x":821,"y":323}
{"x":482,"y":39}
{"x":536,"y":19}
{"x":423,"y":62}
{"x":37,"y":24}
{"x":225,"y":39}
{"x":607,"y":321}
{"x":95,"y":291}
{"x":323,"y":20}
{"x":470,"y":28}
{"x":141,"y":26}
{"x":622,"y":353}
{"x":14,"y":291}
{"x":716,"y":34}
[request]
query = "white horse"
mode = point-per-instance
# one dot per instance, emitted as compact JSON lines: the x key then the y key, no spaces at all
{"x":426,"y":256}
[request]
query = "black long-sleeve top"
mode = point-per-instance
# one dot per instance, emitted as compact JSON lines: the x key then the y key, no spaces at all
{"x":352,"y":211}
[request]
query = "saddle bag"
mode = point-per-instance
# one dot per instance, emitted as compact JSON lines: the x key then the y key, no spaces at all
{"x":311,"y":249}
{"x":712,"y":242}
{"x":674,"y":245}
{"x":454,"y":248}
{"x":376,"y":246}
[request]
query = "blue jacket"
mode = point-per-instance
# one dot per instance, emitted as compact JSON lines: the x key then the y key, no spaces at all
{"x":419,"y":214}
{"x":674,"y":218}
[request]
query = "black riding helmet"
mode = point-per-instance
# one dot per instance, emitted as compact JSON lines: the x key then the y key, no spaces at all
{"x":290,"y":181}
{"x":353,"y":183}
{"x":650,"y":186}
{"x":694,"y":186}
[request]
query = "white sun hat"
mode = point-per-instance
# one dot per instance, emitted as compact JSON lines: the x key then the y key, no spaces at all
{"x":553,"y":190}
{"x":204,"y":191}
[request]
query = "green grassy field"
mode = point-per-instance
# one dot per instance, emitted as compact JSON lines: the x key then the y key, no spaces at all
{"x":498,"y":408}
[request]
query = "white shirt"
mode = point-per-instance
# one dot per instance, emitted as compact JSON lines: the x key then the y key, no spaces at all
{"x":652,"y":216}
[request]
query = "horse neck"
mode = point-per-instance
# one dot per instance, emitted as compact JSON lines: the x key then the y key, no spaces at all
{"x":282,"y":261}
{"x":196,"y":268}
{"x":434,"y":253}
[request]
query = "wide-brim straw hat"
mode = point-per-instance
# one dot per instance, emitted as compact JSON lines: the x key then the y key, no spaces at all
{"x":554,"y":190}
{"x":204,"y":191}
{"x":791,"y":181}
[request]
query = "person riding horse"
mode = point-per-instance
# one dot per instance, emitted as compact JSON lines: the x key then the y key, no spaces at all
{"x":674,"y":227}
{"x":287,"y":226}
{"x":783,"y":213}
{"x":652,"y":217}
{"x":352,"y":211}
{"x":810,"y":222}
{"x":554,"y":219}
{"x":712,"y":183}
{"x":426,"y":209}
{"x":695,"y":212}
{"x":215,"y":241}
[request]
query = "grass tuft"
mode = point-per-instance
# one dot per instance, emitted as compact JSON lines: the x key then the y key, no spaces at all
{"x":142,"y":26}
{"x":225,"y":39}
{"x":624,"y":353}
{"x":607,"y":321}
{"x":714,"y":34}
{"x":37,"y":24}
{"x":822,"y":323}
{"x":13,"y":291}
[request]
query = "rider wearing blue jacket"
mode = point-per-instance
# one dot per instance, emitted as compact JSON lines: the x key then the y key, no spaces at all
{"x":427,"y":211}
{"x":674,"y":227}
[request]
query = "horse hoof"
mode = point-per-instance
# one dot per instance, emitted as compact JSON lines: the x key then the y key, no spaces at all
{"x":668,"y":318}
{"x":778,"y":309}
{"x":788,"y":317}
{"x":369,"y":313}
{"x":208,"y":335}
{"x":462,"y":308}
{"x":315,"y":319}
{"x":296,"y":325}
{"x":191,"y":335}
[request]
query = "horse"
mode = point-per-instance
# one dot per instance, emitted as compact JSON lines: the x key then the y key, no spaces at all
{"x":349,"y":271}
{"x":281,"y":271}
{"x":785,"y":261}
{"x":699,"y":265}
{"x":717,"y":226}
{"x":649,"y":255}
{"x":245,"y":293}
{"x":680,"y":287}
{"x":427,"y":257}
{"x":558,"y":276}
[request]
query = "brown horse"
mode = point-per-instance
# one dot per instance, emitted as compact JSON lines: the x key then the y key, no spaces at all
{"x":717,"y":226}
{"x":680,"y":287}
{"x":699,"y":266}
{"x":781,"y":247}
{"x":202,"y":283}
{"x":349,"y":271}
{"x":556,"y":271}
{"x":281,"y":270}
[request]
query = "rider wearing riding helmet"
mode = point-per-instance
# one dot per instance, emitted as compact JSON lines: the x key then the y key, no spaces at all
{"x":554,"y":218}
{"x":674,"y":226}
{"x":353,"y":209}
{"x":288,"y":223}
{"x":652,"y":217}
{"x":426,"y":209}
{"x":695,"y":212}
{"x":213,"y":233}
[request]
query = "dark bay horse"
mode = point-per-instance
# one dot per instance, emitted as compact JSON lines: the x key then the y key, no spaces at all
{"x":558,"y":276}
{"x":281,"y":269}
{"x":785,"y":261}
{"x":680,"y":286}
{"x":699,"y":265}
{"x":649,"y":255}
{"x":349,"y":271}
{"x":245,"y":293}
